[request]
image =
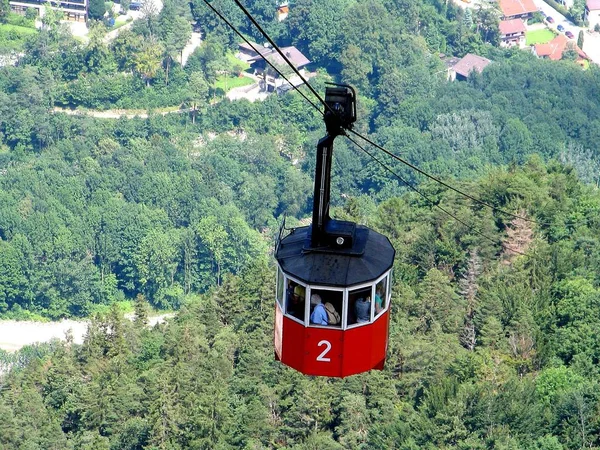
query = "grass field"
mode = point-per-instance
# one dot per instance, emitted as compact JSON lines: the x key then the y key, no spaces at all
{"x":225,"y":82}
{"x":538,"y":37}
{"x":6,"y":27}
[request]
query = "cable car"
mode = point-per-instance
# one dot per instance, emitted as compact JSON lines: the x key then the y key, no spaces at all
{"x":333,"y":277}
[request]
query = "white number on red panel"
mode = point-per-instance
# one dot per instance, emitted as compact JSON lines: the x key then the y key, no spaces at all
{"x":327,"y":345}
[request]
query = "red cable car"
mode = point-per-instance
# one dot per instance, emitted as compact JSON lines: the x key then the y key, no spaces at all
{"x":333,"y":281}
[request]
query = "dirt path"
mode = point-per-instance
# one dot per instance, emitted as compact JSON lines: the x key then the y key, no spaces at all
{"x":16,"y":334}
{"x":118,"y":113}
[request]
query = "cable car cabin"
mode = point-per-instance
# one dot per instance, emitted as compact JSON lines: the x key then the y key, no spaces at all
{"x":353,"y":284}
{"x":333,"y":280}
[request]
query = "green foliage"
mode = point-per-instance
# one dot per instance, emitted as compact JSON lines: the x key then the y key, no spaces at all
{"x":487,"y":349}
{"x":96,"y":9}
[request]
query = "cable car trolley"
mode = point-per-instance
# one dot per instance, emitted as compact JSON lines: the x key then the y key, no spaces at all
{"x":334,"y":277}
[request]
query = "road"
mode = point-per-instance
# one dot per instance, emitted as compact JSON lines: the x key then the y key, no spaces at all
{"x":192,"y":45}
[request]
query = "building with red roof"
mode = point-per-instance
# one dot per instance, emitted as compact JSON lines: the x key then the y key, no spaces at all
{"x":283,"y":11}
{"x":556,"y":47}
{"x":517,"y":9}
{"x":592,"y":13}
{"x":512,"y":33}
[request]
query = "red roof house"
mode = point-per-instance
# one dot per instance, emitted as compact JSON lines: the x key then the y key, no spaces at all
{"x":592,"y":13}
{"x":554,"y":49}
{"x":514,"y":9}
{"x":512,"y":32}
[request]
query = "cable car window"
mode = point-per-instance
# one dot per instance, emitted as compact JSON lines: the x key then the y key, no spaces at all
{"x":295,"y":300}
{"x":381,"y":296}
{"x":359,"y":306}
{"x":280,"y":284}
{"x":326,"y":307}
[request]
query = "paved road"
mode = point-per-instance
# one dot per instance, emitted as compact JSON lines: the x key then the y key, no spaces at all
{"x":192,"y":45}
{"x":559,"y":19}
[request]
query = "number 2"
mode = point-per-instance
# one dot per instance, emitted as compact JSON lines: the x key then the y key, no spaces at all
{"x":327,"y":345}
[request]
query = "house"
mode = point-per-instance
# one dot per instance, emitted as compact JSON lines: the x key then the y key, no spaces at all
{"x":554,"y":49}
{"x":512,"y":33}
{"x":517,"y":9}
{"x":75,"y":10}
{"x":449,"y":62}
{"x":466,"y":65}
{"x":270,"y":80}
{"x":592,"y":13}
{"x":251,"y":51}
{"x":282,"y":11}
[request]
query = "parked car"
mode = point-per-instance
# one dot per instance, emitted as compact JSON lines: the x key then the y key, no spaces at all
{"x":549,"y":19}
{"x":135,"y":6}
{"x":560,"y":28}
{"x":569,"y":35}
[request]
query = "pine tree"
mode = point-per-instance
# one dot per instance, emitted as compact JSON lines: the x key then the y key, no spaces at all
{"x":468,"y":289}
{"x":96,"y":9}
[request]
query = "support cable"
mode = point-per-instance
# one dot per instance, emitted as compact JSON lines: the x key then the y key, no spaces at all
{"x":443,"y":183}
{"x":256,"y":50}
{"x":403,"y":161}
{"x":432,"y":203}
{"x":285,"y":58}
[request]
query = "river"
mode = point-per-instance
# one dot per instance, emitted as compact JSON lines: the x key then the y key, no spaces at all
{"x":16,"y":334}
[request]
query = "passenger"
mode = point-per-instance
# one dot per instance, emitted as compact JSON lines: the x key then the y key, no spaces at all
{"x":295,"y":306}
{"x":378,"y":301}
{"x":319,"y":314}
{"x":362,"y":308}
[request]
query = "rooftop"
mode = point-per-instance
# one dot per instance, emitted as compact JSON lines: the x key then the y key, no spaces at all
{"x":554,"y":49}
{"x":512,"y":26}
{"x":512,"y":8}
{"x":593,"y":5}
{"x":294,"y":55}
{"x":469,"y":63}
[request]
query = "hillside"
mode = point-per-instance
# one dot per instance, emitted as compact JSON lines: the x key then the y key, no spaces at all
{"x":207,"y":378}
{"x":493,"y":341}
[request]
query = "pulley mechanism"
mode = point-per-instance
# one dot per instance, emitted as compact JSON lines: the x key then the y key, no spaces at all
{"x":328,"y":234}
{"x":340,"y":113}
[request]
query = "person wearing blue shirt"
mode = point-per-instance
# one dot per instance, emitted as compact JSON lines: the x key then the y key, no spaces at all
{"x":362,"y":308}
{"x":319,"y":315}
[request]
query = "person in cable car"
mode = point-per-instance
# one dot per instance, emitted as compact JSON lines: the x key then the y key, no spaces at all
{"x":319,"y":314}
{"x":362,"y":308}
{"x":295,"y":300}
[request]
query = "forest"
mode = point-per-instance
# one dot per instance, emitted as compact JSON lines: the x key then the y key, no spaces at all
{"x":493,"y":341}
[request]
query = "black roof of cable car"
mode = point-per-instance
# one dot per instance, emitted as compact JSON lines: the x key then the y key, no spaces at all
{"x":336,"y":269}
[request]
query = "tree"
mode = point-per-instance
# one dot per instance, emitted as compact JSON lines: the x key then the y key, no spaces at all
{"x":150,"y":13}
{"x":142,"y":310}
{"x":4,"y":10}
{"x":197,"y":92}
{"x":147,"y":61}
{"x":98,"y":57}
{"x":212,"y":236}
{"x":175,"y":32}
{"x":580,"y":39}
{"x":96,"y":9}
